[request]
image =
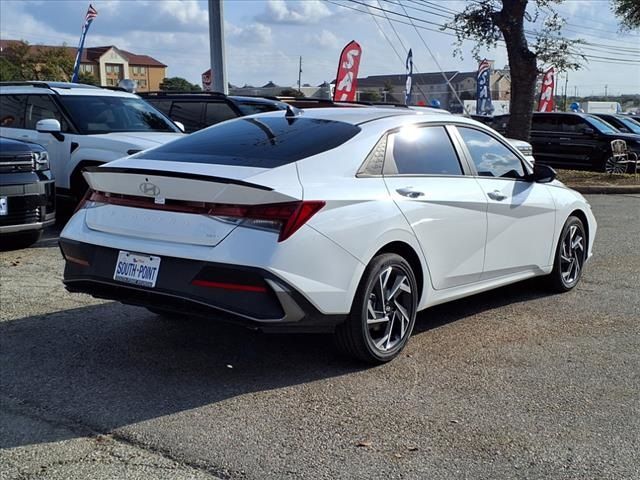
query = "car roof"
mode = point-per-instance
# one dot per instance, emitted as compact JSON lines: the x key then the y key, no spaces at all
{"x":359,"y":115}
{"x":61,"y":88}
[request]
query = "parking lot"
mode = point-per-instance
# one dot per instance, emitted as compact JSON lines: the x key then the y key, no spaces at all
{"x":513,"y":383}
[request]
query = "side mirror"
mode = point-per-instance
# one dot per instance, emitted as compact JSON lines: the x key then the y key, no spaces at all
{"x":50,"y":125}
{"x":543,"y":174}
{"x":180,"y":125}
{"x":588,"y":131}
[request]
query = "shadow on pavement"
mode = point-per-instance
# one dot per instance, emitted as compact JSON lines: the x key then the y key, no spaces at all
{"x":110,"y":365}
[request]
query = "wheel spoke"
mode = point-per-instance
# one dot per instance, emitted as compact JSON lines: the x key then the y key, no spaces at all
{"x":401,"y":284}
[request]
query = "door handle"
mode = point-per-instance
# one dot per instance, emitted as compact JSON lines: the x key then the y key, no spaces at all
{"x":564,"y":139}
{"x":409,"y":192}
{"x":496,"y":195}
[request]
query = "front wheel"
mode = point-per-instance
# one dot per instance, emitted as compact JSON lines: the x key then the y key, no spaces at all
{"x":383,"y":312}
{"x":571,"y":254}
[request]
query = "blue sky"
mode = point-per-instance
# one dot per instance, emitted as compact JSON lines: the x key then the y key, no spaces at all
{"x":264,"y":38}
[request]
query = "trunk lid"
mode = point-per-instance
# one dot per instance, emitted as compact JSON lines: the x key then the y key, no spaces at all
{"x":152,"y":193}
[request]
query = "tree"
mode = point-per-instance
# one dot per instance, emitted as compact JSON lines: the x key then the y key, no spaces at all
{"x":368,"y":96}
{"x":88,"y":79}
{"x":490,"y":21}
{"x":629,"y":13}
{"x":8,"y":71}
{"x":179,"y":84}
{"x":22,"y":61}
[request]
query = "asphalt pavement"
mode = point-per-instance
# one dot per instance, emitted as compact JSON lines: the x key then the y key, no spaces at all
{"x":514,"y":383}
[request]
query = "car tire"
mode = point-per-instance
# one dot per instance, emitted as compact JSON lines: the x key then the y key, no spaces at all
{"x":571,"y":253}
{"x":383,"y":312}
{"x":15,"y":241}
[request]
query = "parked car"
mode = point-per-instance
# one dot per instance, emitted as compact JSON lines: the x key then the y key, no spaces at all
{"x":198,"y":110}
{"x":348,"y":220}
{"x":80,"y":125}
{"x":27,"y":192}
{"x":622,"y":123}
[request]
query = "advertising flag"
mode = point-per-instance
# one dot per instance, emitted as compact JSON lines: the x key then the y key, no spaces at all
{"x":546,"y":102}
{"x":347,"y":76}
{"x":408,"y":85}
{"x":92,"y":13}
{"x":483,"y":89}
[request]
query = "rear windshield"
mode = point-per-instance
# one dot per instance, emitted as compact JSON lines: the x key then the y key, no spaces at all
{"x":266,"y":142}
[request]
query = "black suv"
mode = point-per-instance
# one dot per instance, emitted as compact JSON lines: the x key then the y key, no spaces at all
{"x":197,"y":110}
{"x":624,"y":123}
{"x":578,"y":141}
{"x":27,"y":193}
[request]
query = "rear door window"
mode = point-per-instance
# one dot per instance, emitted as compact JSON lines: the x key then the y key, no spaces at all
{"x":163,"y":105}
{"x":217,"y":112}
{"x":424,"y":151}
{"x":545,"y":123}
{"x":12,"y":109}
{"x":189,"y":114}
{"x":266,"y":142}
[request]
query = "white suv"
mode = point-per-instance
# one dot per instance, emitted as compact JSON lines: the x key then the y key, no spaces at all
{"x":80,"y":126}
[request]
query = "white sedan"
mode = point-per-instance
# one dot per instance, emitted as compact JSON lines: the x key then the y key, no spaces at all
{"x":349,"y":220}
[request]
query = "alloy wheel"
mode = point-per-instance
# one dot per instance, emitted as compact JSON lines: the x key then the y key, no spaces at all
{"x":613,"y":166}
{"x":389,"y":309}
{"x":572,"y":255}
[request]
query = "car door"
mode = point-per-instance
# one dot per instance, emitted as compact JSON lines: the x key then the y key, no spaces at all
{"x":445,"y":208}
{"x":520,"y":214}
{"x":545,"y":139}
{"x":578,"y":143}
{"x":41,"y":107}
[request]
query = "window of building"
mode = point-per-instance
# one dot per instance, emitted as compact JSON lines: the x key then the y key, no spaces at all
{"x":136,"y":70}
{"x":424,"y":151}
{"x":109,"y":68}
{"x":491,"y":158}
{"x":12,"y":108}
{"x":142,"y":83}
{"x":143,"y":70}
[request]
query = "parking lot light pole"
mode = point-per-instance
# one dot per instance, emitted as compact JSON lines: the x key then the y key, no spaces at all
{"x":216,"y":47}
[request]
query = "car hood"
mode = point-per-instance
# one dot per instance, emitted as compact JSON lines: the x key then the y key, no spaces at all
{"x":142,"y":140}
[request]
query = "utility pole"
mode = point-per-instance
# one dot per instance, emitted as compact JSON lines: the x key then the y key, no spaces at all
{"x":566,"y":81}
{"x":216,"y":47}
{"x":299,"y":73}
{"x":605,"y":92}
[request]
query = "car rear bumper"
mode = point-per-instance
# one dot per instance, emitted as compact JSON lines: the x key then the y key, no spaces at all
{"x":249,"y":296}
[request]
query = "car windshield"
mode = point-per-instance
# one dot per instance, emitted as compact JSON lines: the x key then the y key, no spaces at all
{"x":600,"y":125}
{"x":106,"y":114}
{"x":631,"y":124}
{"x":263,"y":141}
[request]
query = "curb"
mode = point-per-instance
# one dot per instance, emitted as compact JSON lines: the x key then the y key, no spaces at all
{"x":605,"y":189}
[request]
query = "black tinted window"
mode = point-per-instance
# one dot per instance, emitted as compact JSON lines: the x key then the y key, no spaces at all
{"x":491,"y":158}
{"x":266,"y":142}
{"x":544,"y":124}
{"x":573,"y":124}
{"x":163,"y":105}
{"x":41,"y":107}
{"x":12,"y":108}
{"x":189,"y":114}
{"x":248,"y":108}
{"x":425,"y":151}
{"x":218,"y":112}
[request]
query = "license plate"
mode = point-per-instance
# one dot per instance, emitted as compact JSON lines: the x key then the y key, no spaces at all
{"x":4,"y":208}
{"x":137,"y":268}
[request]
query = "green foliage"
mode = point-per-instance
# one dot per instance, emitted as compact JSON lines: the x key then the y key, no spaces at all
{"x":629,"y":13}
{"x":88,"y":79}
{"x":388,"y":86}
{"x":21,"y":61}
{"x":291,"y":92}
{"x":370,"y":97}
{"x":179,"y":84}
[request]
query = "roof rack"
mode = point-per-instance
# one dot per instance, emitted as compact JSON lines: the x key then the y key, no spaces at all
{"x":162,"y":93}
{"x":45,"y":84}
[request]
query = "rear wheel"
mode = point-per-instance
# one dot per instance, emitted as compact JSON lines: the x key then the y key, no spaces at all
{"x":571,"y":254}
{"x":383,"y":312}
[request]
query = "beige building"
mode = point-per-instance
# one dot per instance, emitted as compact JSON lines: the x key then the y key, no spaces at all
{"x":109,"y":65}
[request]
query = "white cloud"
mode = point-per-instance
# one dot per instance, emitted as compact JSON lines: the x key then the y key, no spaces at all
{"x":324,"y":38}
{"x":252,"y":33}
{"x":296,"y":12}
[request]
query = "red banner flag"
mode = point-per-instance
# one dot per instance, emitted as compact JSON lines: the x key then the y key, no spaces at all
{"x":546,"y":103}
{"x":347,"y":76}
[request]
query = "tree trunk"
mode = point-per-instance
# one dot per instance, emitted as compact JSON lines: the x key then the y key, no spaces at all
{"x":522,"y":67}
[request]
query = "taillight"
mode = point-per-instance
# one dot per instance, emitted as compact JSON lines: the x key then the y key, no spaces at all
{"x":286,"y":218}
{"x":85,"y":198}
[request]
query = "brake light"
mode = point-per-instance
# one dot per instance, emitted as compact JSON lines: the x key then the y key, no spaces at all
{"x":287,"y":218}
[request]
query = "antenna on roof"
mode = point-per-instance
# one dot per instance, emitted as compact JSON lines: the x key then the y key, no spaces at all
{"x":292,"y":112}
